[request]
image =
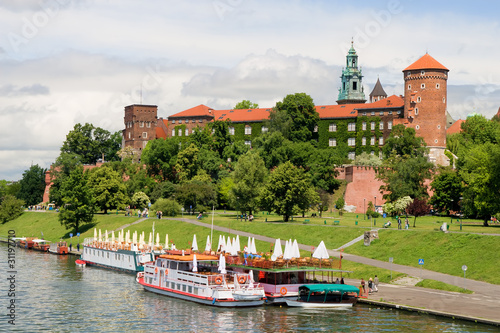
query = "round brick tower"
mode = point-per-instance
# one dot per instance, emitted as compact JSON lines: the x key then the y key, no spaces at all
{"x":425,"y":104}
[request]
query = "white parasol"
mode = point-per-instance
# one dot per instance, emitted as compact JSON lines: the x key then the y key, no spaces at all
{"x":95,"y":235}
{"x":195,"y":264}
{"x":157,"y":239}
{"x":229,"y":246}
{"x":254,"y":249}
{"x":251,"y":276}
{"x":287,"y":254}
{"x":106,"y":237}
{"x":100,"y":236}
{"x":222,"y":264}
{"x":112,"y":237}
{"x":238,"y":246}
{"x":219,"y":245}
{"x":249,"y":244}
{"x":166,"y":241}
{"x":295,"y":249}
{"x":150,"y":241}
{"x":277,"y":250}
{"x":195,"y":244}
{"x":321,"y":252}
{"x":208,"y":246}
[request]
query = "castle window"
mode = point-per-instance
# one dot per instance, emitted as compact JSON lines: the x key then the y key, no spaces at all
{"x":351,"y":127}
{"x":129,"y":135}
{"x":437,"y":85}
{"x":417,"y":127}
{"x":436,"y":141}
{"x":381,"y":141}
{"x":409,"y":74}
{"x":372,"y":141}
{"x":231,"y":130}
{"x":363,"y":141}
{"x":363,"y":125}
{"x":373,"y":113}
{"x":173,"y":121}
{"x":179,"y":132}
{"x":248,"y":143}
{"x":419,"y":99}
{"x":192,"y":131}
{"x":332,"y":127}
{"x":444,"y":99}
{"x":141,"y":124}
{"x":409,"y":87}
{"x":332,"y":142}
{"x":343,"y":85}
{"x":186,"y":132}
{"x":381,"y":113}
{"x":173,"y":132}
{"x":390,"y":112}
{"x":381,"y":126}
{"x":422,"y":86}
{"x":354,"y":85}
{"x":315,"y":129}
{"x":187,"y":121}
{"x":364,"y":113}
{"x":200,"y":120}
{"x":264,"y":129}
{"x":180,"y":121}
{"x":351,"y":142}
{"x":148,"y":124}
{"x":248,"y":130}
{"x":351,"y":155}
{"x":389,"y":125}
{"x":144,"y":135}
{"x":422,"y":73}
{"x":439,"y":126}
{"x":416,"y":111}
{"x":372,"y":125}
{"x":193,"y":120}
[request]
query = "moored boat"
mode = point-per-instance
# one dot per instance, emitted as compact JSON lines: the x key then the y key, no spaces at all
{"x":325,"y":296}
{"x":59,"y":248}
{"x":26,"y":242}
{"x":41,"y":245}
{"x":80,"y":262}
{"x":196,"y":278}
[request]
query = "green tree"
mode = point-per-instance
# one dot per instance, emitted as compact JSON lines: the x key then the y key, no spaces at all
{"x":160,"y":157}
{"x":271,"y":147}
{"x":11,"y":208}
{"x":340,"y":203}
{"x":162,"y":191}
{"x":404,"y":142}
{"x":109,"y":190}
{"x":139,"y":200}
{"x":300,"y":107}
{"x":78,"y":199}
{"x":196,"y":195}
{"x":447,"y":190}
{"x":248,"y":177}
{"x":168,"y":207}
{"x":321,"y":167}
{"x":187,"y":163}
{"x":32,"y":185}
{"x":288,"y":191}
{"x":139,"y":180}
{"x":220,"y":136}
{"x":3,"y":189}
{"x":224,"y":186}
{"x":365,"y":159}
{"x":279,"y":121}
{"x":324,"y":201}
{"x":246,"y":104}
{"x":401,"y":204}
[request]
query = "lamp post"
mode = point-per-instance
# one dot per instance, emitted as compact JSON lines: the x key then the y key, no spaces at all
{"x":375,"y":197}
{"x":460,"y":214}
{"x":364,"y":208}
{"x":451,"y":216}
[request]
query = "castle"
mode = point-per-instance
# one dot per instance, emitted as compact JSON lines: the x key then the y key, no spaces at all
{"x":352,"y":122}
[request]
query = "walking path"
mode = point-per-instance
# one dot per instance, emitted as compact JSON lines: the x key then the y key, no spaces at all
{"x":483,"y":305}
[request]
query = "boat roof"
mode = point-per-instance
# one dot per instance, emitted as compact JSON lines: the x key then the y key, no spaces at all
{"x":320,"y":287}
{"x":290,"y":269}
{"x":189,"y":257}
{"x":40,"y":241}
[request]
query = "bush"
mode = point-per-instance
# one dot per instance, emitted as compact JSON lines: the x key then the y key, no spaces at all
{"x":140,"y":200}
{"x":10,"y":208}
{"x":168,"y":207}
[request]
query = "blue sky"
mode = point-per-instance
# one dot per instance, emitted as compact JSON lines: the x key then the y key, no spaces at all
{"x":66,"y":61}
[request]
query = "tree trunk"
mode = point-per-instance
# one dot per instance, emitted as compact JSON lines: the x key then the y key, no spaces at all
{"x":485,"y":223}
{"x":285,"y":218}
{"x":414,"y":220}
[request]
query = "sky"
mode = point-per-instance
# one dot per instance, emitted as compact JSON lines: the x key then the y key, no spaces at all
{"x":64,"y":62}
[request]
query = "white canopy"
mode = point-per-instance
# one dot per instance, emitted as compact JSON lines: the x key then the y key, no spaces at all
{"x":237,"y":246}
{"x":208,"y":246}
{"x":277,"y":250}
{"x":40,"y":240}
{"x":295,"y":249}
{"x":222,"y":264}
{"x":195,"y":244}
{"x":321,"y":252}
{"x":287,"y":254}
{"x":195,"y":264}
{"x":253,"y":248}
{"x":229,"y":246}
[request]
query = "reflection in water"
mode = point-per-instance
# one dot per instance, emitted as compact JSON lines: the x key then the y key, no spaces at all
{"x":53,"y":294}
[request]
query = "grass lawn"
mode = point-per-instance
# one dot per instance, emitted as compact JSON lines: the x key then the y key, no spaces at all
{"x":432,"y":284}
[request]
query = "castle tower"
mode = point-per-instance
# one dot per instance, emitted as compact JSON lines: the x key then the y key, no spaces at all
{"x":140,"y":126}
{"x":425,"y":103}
{"x":378,"y":92}
{"x":351,"y":89}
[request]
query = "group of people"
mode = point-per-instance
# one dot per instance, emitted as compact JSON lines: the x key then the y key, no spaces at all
{"x":159,"y":214}
{"x":407,"y":224}
{"x":372,"y":286}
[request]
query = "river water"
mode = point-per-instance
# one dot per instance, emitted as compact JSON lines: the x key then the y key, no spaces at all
{"x":52,"y":294}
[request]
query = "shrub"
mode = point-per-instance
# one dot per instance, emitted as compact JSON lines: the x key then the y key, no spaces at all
{"x":168,"y":207}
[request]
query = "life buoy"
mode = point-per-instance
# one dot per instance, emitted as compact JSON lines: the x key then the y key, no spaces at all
{"x":218,"y":280}
{"x":166,"y":271}
{"x":283,"y":291}
{"x":156,"y":269}
{"x":242,"y":279}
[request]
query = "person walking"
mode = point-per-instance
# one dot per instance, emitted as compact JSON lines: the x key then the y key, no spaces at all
{"x":370,"y":286}
{"x":399,"y":222}
{"x":375,"y":284}
{"x":363,"y":286}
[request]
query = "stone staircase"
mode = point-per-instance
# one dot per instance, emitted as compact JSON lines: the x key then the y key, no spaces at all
{"x":354,"y":241}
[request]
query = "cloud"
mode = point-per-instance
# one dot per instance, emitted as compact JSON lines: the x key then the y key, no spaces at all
{"x":34,"y":89}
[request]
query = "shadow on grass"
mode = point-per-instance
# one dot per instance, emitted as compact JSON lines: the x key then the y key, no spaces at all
{"x":82,"y":229}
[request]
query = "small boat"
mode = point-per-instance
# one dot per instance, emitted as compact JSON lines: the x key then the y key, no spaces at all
{"x":26,"y":242}
{"x":59,"y":248}
{"x":176,"y":276}
{"x":41,"y":245}
{"x":80,"y":262}
{"x":325,"y":296}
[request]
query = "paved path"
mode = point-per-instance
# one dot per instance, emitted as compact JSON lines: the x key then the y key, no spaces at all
{"x":484,"y":303}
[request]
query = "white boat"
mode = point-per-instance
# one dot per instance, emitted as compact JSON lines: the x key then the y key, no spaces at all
{"x":124,"y":257}
{"x":325,"y":296}
{"x":172,"y":275}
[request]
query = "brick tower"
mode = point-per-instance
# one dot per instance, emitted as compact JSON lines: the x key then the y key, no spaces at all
{"x":425,"y":104}
{"x":140,"y":126}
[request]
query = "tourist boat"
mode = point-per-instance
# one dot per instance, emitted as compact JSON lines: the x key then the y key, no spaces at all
{"x":41,"y":245}
{"x":325,"y":296}
{"x":172,"y":275}
{"x":59,"y":248}
{"x":124,"y":257}
{"x":26,"y":242}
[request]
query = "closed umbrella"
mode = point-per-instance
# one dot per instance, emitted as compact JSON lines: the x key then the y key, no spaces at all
{"x":295,"y":249}
{"x":195,"y":244}
{"x":254,"y":249}
{"x":208,"y":246}
{"x":277,"y":250}
{"x":222,"y":264}
{"x":166,"y":241}
{"x":287,"y":254}
{"x":238,"y":247}
{"x":95,"y":235}
{"x":195,"y":264}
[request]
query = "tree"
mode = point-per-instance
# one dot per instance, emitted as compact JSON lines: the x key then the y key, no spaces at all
{"x":324,"y":201}
{"x":78,"y":199}
{"x":404,"y":142}
{"x":196,"y":195}
{"x":168,"y":207}
{"x":140,"y":200}
{"x":160,"y":157}
{"x":248,"y":177}
{"x":288,"y":191}
{"x":447,"y":190}
{"x":162,"y":191}
{"x":401,"y":204}
{"x":32,"y":185}
{"x":321,"y":167}
{"x":187,"y":163}
{"x":300,"y":107}
{"x":245,"y":104}
{"x":365,"y":159}
{"x":11,"y":208}
{"x":418,"y":207}
{"x":340,"y":203}
{"x":3,"y":189}
{"x":220,"y":136}
{"x":108,"y":188}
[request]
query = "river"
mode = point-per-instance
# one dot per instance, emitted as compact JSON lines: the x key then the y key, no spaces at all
{"x":52,"y":294}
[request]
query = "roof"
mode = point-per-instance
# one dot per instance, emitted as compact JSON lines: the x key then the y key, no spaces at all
{"x":456,"y":127}
{"x":320,"y":287}
{"x":351,"y":110}
{"x":378,"y":90}
{"x":160,"y":132}
{"x":200,"y":110}
{"x":189,"y":257}
{"x":240,"y":115}
{"x":425,"y":62}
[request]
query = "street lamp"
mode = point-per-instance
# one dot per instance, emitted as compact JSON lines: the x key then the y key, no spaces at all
{"x":364,"y":208}
{"x":375,"y":197}
{"x":460,"y":213}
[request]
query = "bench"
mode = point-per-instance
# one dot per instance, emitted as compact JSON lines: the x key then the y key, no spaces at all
{"x":306,"y":221}
{"x":336,"y":222}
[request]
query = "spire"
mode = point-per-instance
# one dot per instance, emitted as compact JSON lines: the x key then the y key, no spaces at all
{"x":351,"y":90}
{"x":378,"y":92}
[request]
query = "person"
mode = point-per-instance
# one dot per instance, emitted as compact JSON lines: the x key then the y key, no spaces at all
{"x":363,"y":285}
{"x":250,"y":218}
{"x":139,"y":212}
{"x":70,"y":245}
{"x":337,"y":281}
{"x":78,"y":247}
{"x":399,"y":222}
{"x":199,"y":216}
{"x":407,"y":224}
{"x":161,"y":214}
{"x":375,"y":284}
{"x":370,"y":285}
{"x":341,"y":280}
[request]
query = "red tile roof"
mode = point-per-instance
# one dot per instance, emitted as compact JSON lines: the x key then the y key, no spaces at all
{"x":456,"y":127}
{"x":425,"y":62}
{"x":200,"y":110}
{"x":160,"y":132}
{"x":350,"y":110}
{"x":243,"y":115}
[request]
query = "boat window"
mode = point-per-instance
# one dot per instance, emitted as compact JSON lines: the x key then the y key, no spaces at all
{"x":196,"y":291}
{"x":190,"y":289}
{"x":178,"y":286}
{"x":183,"y":287}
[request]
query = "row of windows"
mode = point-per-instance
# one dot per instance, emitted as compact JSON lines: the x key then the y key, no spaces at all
{"x":422,"y":86}
{"x":351,"y":142}
{"x":179,"y":131}
{"x":351,"y":127}
{"x":248,"y":130}
{"x":130,"y":124}
{"x":185,"y":121}
{"x":144,"y":135}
